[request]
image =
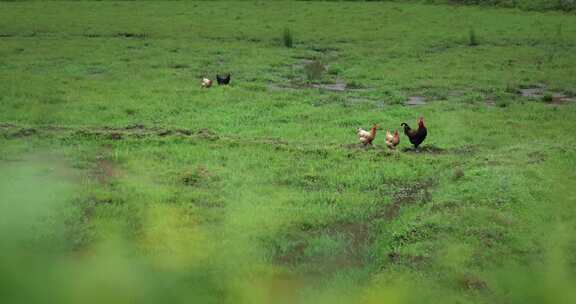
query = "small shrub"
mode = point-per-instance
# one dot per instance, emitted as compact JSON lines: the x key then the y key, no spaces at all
{"x":314,"y":70}
{"x":287,"y":38}
{"x":472,"y":39}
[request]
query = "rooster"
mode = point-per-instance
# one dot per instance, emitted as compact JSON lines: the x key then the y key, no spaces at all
{"x":416,"y":137}
{"x":223,"y":80}
{"x":206,"y":83}
{"x":392,"y":140}
{"x":366,"y":137}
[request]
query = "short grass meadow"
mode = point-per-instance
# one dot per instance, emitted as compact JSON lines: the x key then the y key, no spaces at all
{"x":123,"y":181}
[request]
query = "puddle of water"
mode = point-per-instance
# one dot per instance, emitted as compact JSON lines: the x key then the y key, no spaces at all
{"x":559,"y":98}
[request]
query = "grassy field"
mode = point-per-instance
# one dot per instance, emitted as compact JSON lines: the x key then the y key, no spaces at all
{"x":124,"y":181}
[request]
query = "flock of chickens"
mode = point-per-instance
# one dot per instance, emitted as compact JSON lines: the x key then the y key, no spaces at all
{"x":222,"y":80}
{"x":416,"y":137}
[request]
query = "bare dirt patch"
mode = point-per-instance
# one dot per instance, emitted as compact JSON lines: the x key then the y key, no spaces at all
{"x":113,"y":133}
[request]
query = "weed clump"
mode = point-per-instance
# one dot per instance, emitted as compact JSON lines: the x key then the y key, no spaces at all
{"x":314,"y":70}
{"x":287,"y":38}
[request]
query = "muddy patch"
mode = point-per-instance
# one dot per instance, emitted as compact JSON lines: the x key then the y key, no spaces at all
{"x":207,"y":134}
{"x":416,"y":101}
{"x":339,"y":86}
{"x":273,"y":87}
{"x":428,"y":149}
{"x":168,"y":132}
{"x":23,"y":132}
{"x":558,"y":99}
{"x":112,"y":133}
{"x":539,"y":92}
{"x":532,"y":92}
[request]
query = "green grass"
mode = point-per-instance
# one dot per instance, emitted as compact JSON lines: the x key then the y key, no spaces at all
{"x":123,"y":180}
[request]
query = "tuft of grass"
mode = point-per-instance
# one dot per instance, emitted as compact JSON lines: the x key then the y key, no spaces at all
{"x":548,"y":98}
{"x":458,"y":174}
{"x":287,"y":38}
{"x":502,"y":103}
{"x":472,"y":38}
{"x":314,"y":70}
